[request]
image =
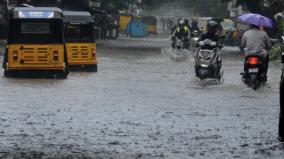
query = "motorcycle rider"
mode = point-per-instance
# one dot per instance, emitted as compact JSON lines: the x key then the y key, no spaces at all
{"x":186,"y":23}
{"x":280,"y":20}
{"x":211,"y":33}
{"x":181,"y":32}
{"x":256,"y":42}
{"x":194,"y":26}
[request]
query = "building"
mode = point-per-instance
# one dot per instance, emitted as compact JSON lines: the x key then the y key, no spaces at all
{"x":235,"y":9}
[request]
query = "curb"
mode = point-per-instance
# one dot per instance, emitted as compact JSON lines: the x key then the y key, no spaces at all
{"x":2,"y":47}
{"x":2,"y":50}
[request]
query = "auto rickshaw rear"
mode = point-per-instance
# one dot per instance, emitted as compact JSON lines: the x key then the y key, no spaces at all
{"x":36,"y":42}
{"x":80,"y":40}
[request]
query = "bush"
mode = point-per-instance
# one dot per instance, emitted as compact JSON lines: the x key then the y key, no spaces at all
{"x":275,"y":52}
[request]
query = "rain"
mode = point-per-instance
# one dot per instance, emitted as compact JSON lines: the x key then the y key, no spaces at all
{"x":135,"y":93}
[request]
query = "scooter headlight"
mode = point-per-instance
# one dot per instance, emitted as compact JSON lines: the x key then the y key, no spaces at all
{"x":195,"y":39}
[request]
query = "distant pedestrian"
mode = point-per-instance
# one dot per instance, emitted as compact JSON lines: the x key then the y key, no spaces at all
{"x":128,"y":29}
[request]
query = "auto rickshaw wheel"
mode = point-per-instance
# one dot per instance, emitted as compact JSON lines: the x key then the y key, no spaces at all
{"x":92,"y":68}
{"x":61,"y":75}
{"x":8,"y":73}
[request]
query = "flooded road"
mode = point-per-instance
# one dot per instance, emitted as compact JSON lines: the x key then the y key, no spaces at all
{"x":140,"y":104}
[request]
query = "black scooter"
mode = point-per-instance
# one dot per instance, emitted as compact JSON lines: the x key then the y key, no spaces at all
{"x":254,"y":72}
{"x":179,"y":49}
{"x":194,"y":38}
{"x":208,"y":61}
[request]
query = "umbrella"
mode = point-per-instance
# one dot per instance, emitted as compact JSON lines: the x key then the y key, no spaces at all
{"x":257,"y":20}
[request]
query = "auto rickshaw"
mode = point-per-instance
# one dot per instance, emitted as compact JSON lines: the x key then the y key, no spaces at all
{"x":35,"y":42}
{"x":125,"y":18}
{"x":80,"y":40}
{"x":151,"y":23}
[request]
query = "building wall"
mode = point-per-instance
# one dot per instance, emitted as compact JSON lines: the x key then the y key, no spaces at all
{"x":75,"y":4}
{"x":45,"y":3}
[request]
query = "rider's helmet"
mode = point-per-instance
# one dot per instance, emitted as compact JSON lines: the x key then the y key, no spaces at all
{"x":212,"y":26}
{"x":180,"y":22}
{"x":278,"y":16}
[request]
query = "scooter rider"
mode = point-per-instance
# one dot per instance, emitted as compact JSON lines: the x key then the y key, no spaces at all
{"x":194,"y":27}
{"x":186,"y":23}
{"x":211,"y":33}
{"x":181,"y":32}
{"x":257,"y":43}
{"x":280,"y":22}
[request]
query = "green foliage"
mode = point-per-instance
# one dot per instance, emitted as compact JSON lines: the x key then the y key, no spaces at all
{"x":256,"y":6}
{"x":205,"y":7}
{"x":119,"y":4}
{"x":213,"y":8}
{"x":276,"y":51}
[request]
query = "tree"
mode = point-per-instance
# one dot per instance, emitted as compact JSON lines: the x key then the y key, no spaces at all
{"x":257,"y":6}
{"x":199,"y":7}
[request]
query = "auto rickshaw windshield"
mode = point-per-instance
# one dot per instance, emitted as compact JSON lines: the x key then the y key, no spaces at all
{"x":79,"y":32}
{"x":36,"y":31}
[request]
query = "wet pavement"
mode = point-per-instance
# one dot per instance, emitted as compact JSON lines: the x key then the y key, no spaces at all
{"x":140,"y":105}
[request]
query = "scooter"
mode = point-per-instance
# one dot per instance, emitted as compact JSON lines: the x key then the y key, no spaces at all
{"x":208,"y":61}
{"x":254,"y":74}
{"x":194,"y":38}
{"x":179,"y":48}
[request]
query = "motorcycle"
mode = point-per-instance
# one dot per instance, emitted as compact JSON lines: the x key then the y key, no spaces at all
{"x":194,"y":38}
{"x":179,"y":48}
{"x":254,"y":74}
{"x":208,"y":61}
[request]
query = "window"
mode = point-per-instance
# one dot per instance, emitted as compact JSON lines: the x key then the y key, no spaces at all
{"x":79,"y":33}
{"x":36,"y":31}
{"x":35,"y":28}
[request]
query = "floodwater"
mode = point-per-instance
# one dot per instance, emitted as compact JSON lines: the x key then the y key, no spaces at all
{"x":140,"y":105}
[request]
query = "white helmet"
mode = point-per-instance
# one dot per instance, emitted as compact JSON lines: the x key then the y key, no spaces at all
{"x":278,"y":16}
{"x":181,"y":22}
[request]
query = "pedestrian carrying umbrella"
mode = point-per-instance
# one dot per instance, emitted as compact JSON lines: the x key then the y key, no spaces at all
{"x":256,"y":19}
